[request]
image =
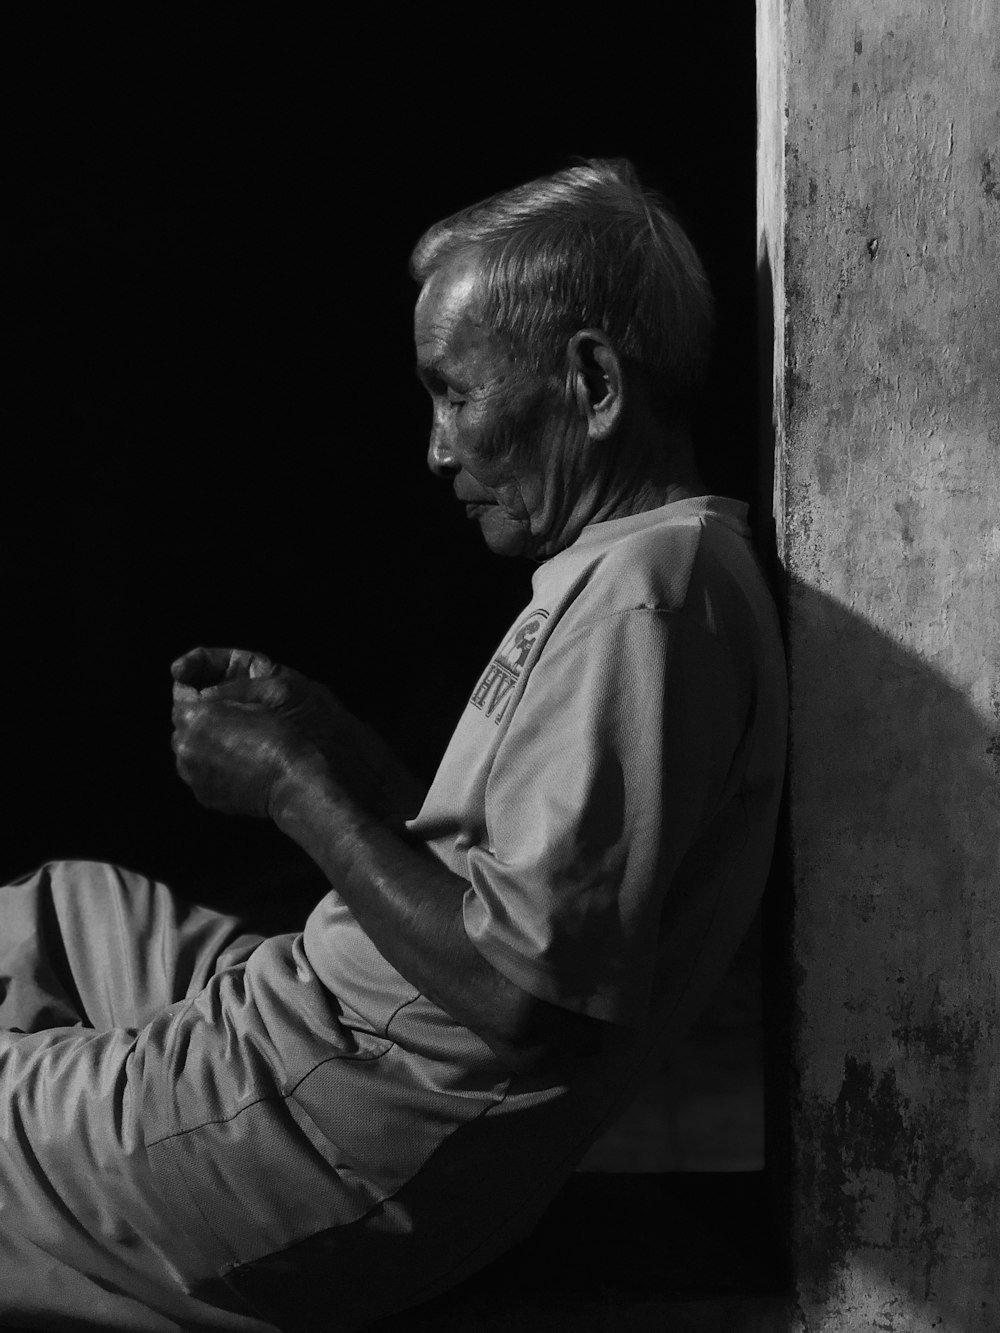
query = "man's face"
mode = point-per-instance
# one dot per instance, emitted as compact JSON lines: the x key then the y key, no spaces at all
{"x":501,"y":433}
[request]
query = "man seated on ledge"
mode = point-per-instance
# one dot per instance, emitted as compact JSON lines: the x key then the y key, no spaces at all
{"x":206,"y":1129}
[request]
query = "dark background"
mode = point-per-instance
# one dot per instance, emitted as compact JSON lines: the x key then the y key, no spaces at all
{"x":214,"y":432}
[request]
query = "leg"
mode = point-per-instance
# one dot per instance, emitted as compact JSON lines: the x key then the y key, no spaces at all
{"x":86,"y":944}
{"x":137,"y":1166}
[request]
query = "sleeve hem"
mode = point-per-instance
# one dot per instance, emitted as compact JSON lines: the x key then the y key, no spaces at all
{"x":605,"y":1003}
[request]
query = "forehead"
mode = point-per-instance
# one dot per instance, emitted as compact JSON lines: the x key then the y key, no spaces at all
{"x":449,"y":318}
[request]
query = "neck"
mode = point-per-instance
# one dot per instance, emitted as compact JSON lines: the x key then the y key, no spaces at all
{"x":636,"y":480}
{"x":657,"y":469}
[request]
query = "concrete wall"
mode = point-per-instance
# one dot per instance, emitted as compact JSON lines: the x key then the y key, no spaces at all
{"x":880,"y":240}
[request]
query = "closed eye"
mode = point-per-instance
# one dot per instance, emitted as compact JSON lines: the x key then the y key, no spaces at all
{"x":440,"y":388}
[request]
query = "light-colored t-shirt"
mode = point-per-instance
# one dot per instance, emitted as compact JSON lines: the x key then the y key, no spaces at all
{"x":633,"y":714}
{"x":610,"y":795}
{"x":613,"y":781}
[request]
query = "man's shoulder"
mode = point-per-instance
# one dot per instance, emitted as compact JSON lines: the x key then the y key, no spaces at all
{"x":647,"y":561}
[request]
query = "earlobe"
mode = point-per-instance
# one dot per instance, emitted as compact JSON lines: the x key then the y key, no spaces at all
{"x":598,"y":381}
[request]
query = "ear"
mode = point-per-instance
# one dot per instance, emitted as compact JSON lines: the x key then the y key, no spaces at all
{"x":597,"y":381}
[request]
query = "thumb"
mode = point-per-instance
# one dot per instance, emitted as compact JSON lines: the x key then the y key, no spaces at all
{"x":265,"y":691}
{"x":256,"y":666}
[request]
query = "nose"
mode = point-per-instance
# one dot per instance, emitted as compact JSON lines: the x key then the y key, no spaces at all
{"x":440,"y":456}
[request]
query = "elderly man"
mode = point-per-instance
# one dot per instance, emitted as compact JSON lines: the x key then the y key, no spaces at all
{"x":203,"y":1129}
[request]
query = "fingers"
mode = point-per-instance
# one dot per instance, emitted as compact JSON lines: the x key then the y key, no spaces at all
{"x":191,"y":713}
{"x":265,"y":692}
{"x":203,"y":668}
{"x":243,"y":663}
{"x":184,"y":716}
{"x":196,"y":720}
{"x":189,"y":758}
{"x":278,"y":688}
{"x":229,"y":754}
{"x":192,"y":721}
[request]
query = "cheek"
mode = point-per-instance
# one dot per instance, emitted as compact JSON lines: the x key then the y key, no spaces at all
{"x":496,"y":460}
{"x":509,"y":434}
{"x":488,"y":441}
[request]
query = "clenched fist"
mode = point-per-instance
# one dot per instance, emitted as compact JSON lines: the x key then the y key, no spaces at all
{"x":242,"y":724}
{"x":232,"y":755}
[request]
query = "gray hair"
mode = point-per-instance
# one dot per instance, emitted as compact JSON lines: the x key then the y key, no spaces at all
{"x":588,"y":247}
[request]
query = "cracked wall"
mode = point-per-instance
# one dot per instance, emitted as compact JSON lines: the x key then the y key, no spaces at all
{"x":880,"y":223}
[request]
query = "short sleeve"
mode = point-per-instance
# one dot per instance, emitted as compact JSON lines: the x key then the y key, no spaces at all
{"x":613,"y":762}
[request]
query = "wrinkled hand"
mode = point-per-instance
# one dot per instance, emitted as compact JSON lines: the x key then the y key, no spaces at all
{"x":242,"y":724}
{"x":233,"y":755}
{"x":203,"y":670}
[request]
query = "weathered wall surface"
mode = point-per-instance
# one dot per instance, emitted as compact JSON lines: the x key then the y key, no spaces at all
{"x":880,"y":218}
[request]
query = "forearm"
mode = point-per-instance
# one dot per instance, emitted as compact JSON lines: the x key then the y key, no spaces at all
{"x":272,"y":746}
{"x":410,"y":906}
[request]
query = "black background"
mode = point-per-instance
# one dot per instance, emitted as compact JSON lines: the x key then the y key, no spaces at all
{"x":214,"y":432}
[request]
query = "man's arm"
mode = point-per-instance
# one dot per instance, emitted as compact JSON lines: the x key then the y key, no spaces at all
{"x":410,"y":906}
{"x":244,"y":756}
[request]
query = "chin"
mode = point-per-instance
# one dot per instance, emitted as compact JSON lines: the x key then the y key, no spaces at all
{"x":507,"y":546}
{"x":504,"y":536}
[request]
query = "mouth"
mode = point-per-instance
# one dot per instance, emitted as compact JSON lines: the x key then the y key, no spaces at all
{"x":473,"y":508}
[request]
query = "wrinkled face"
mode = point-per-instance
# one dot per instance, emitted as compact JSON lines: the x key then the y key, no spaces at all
{"x":503,"y":434}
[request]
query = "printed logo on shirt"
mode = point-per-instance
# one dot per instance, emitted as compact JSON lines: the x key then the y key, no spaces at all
{"x":493,"y":692}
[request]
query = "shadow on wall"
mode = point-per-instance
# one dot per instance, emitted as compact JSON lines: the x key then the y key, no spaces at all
{"x":894,"y":826}
{"x":881,"y":935}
